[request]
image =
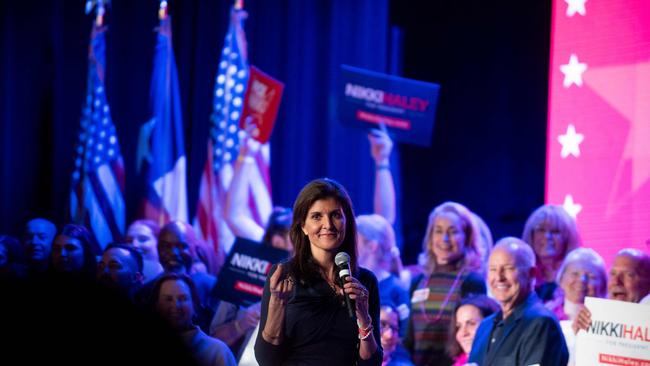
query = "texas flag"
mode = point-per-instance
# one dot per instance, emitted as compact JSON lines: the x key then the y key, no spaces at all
{"x":162,"y":152}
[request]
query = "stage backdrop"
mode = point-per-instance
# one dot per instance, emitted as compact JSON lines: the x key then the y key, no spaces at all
{"x":302,"y":43}
{"x":599,"y":121}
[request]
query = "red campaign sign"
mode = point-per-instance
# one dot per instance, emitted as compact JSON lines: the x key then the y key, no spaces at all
{"x":261,"y":104}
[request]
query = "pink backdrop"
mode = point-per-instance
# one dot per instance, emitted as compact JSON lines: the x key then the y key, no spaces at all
{"x":598,"y":152}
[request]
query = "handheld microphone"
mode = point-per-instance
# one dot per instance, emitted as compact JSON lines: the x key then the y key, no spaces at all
{"x":342,"y":261}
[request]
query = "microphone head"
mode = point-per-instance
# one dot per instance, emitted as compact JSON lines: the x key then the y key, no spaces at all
{"x":342,"y":258}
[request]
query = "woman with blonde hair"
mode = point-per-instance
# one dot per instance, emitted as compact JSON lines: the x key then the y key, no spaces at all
{"x":552,"y":233}
{"x":452,"y":269}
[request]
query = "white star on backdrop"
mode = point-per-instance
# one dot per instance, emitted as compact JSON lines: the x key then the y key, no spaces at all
{"x":573,"y":71}
{"x":572,"y":208}
{"x":570,"y":142}
{"x":575,"y":6}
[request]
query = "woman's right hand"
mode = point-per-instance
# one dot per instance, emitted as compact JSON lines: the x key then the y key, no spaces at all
{"x":281,"y":286}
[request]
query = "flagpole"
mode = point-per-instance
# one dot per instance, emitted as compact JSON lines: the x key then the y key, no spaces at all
{"x":162,"y":11}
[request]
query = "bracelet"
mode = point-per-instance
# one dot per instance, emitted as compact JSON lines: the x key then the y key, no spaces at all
{"x":366,"y":332}
{"x":382,"y":167}
{"x":366,"y":328}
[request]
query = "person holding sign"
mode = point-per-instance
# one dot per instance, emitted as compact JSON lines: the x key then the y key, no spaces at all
{"x":523,"y":332}
{"x":305,"y":317}
{"x":629,"y":280}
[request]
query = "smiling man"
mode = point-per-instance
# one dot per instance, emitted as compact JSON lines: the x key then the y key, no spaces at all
{"x":523,"y":332}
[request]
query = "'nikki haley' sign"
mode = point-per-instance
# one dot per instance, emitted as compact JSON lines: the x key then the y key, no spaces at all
{"x":241,"y":280}
{"x":406,"y":107}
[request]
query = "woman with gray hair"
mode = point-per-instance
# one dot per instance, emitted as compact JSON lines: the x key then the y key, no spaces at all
{"x":581,"y":274}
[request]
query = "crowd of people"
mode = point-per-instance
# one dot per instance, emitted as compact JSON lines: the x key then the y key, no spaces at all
{"x":467,"y":301}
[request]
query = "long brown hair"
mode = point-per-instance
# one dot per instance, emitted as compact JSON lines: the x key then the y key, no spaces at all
{"x":302,"y":265}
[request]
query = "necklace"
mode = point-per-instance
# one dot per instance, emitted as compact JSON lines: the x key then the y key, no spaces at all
{"x":444,"y":304}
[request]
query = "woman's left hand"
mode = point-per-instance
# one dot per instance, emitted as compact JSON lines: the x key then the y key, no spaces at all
{"x":359,"y":293}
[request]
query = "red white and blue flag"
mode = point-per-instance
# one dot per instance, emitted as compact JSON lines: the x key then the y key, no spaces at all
{"x":162,"y":151}
{"x":223,"y":144}
{"x":97,"y":194}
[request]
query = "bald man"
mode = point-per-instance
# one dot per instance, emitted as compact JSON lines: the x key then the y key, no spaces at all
{"x":523,"y":332}
{"x":37,"y":243}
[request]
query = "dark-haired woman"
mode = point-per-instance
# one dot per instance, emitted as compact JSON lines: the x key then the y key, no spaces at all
{"x":304,"y":318}
{"x":74,"y":252}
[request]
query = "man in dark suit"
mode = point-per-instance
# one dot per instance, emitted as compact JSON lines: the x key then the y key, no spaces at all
{"x":523,"y":332}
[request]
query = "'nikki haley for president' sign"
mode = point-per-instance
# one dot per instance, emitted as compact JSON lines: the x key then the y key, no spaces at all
{"x":406,"y":107}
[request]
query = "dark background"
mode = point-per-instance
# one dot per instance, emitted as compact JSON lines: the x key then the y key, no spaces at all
{"x":488,"y":144}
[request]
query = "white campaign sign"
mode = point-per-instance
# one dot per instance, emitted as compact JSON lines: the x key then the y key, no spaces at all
{"x":619,"y":334}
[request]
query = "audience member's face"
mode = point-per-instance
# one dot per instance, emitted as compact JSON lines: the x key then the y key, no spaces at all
{"x":507,"y":281}
{"x":625,"y":282}
{"x":448,"y":239}
{"x":366,"y":249}
{"x":580,"y":279}
{"x":325,"y":225}
{"x":547,"y":240}
{"x":143,"y":238}
{"x":389,"y":329}
{"x":118,"y":269}
{"x":175,"y":304}
{"x":67,"y":254}
{"x":38,"y":240}
{"x":174,"y":250}
{"x":4,"y":259}
{"x":468,"y":318}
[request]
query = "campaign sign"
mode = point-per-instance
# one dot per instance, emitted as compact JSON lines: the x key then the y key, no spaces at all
{"x":619,"y":334}
{"x":241,"y":280}
{"x":261,"y":104}
{"x":406,"y":107}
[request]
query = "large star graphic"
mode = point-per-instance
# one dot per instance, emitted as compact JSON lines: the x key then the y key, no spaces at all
{"x":627,"y":89}
{"x":570,"y":142}
{"x":573,"y":71}
{"x":575,"y":6}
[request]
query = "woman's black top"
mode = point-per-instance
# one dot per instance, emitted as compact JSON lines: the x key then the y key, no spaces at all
{"x":317,"y":327}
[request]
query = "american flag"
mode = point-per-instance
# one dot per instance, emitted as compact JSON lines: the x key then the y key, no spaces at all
{"x":97,"y":194}
{"x":223,"y":144}
{"x":161,"y":138}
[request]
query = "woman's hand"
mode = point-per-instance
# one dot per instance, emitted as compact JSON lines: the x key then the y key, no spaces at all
{"x":281,"y":287}
{"x":359,"y":294}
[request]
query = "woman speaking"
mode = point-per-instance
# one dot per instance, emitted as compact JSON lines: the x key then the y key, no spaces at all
{"x":305,"y":318}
